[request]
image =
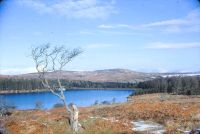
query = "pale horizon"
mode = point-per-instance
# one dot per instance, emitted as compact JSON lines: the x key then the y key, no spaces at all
{"x":33,"y":70}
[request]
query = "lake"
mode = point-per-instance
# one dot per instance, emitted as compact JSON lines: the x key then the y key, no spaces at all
{"x":80,"y":97}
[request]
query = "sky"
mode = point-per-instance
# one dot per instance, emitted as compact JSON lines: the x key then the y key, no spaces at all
{"x":146,"y":36}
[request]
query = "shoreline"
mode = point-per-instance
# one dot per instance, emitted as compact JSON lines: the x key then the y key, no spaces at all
{"x":46,"y":90}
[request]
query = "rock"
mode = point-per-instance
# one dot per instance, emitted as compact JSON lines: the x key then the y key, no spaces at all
{"x":194,"y":131}
{"x":148,"y":127}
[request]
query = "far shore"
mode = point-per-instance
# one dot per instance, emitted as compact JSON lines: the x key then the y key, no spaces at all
{"x":46,"y":90}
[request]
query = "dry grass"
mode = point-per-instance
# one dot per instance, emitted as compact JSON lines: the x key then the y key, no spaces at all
{"x":56,"y":122}
{"x":174,"y":113}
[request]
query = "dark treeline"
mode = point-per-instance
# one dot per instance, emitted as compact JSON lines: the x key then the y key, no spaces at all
{"x":24,"y":84}
{"x":189,"y":85}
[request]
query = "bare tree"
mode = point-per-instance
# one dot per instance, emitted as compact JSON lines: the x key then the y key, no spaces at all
{"x":48,"y":59}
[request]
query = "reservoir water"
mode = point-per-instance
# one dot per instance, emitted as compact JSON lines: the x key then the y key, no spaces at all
{"x":80,"y":97}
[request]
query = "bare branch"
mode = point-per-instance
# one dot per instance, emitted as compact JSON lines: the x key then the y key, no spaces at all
{"x":47,"y":60}
{"x":67,"y":56}
{"x":51,"y":60}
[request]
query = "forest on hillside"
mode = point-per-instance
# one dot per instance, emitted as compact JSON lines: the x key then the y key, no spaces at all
{"x":33,"y":84}
{"x":188,"y":85}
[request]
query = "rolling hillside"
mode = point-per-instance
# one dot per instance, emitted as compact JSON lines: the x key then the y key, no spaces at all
{"x":107,"y":75}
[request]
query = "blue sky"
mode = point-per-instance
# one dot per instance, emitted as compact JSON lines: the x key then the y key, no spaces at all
{"x":148,"y":36}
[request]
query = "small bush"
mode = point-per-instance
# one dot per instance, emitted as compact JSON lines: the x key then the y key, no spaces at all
{"x":114,"y":100}
{"x":3,"y":129}
{"x":105,"y":102}
{"x":39,"y":105}
{"x":5,"y":107}
{"x":57,"y":105}
{"x":96,"y":102}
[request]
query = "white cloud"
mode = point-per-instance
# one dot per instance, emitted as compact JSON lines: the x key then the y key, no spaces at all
{"x":117,"y":32}
{"x":14,"y":71}
{"x":171,"y":22}
{"x":189,"y":23}
{"x":97,"y":46}
{"x":106,"y":26}
{"x":115,"y":26}
{"x":163,"y":45}
{"x":86,"y":32}
{"x":73,"y":8}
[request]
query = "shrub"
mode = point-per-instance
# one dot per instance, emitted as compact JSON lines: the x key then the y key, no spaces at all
{"x":114,"y":100}
{"x":96,"y":102}
{"x":3,"y":129}
{"x":105,"y":102}
{"x":39,"y":105}
{"x":5,"y":107}
{"x":57,"y":105}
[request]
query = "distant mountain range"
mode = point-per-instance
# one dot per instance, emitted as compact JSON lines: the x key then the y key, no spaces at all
{"x":107,"y":75}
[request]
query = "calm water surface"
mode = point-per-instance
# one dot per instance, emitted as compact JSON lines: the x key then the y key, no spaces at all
{"x":79,"y":96}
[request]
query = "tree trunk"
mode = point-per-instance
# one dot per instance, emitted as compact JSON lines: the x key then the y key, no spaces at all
{"x":73,"y":113}
{"x":74,"y":117}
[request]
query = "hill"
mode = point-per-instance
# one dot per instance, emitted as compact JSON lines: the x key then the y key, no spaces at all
{"x":106,"y":75}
